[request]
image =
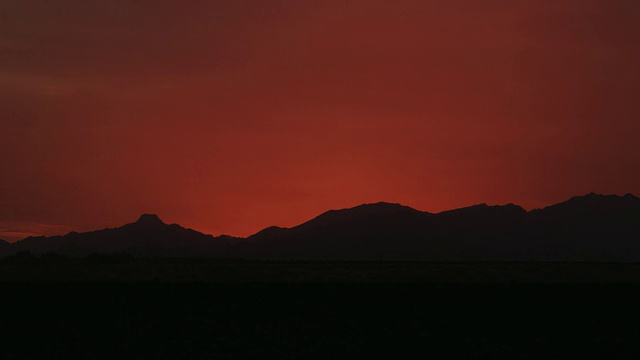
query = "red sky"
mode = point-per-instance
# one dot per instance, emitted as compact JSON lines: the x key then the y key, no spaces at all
{"x":231,"y":116}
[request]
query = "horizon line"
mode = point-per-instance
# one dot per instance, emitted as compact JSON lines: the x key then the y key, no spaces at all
{"x":35,"y":235}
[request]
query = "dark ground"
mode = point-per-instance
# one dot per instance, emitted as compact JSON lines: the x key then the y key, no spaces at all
{"x":208,"y":309}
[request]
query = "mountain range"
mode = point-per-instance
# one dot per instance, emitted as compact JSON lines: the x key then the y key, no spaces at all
{"x":584,"y":228}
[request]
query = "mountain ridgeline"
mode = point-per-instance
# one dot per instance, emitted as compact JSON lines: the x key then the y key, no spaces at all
{"x":585,"y":228}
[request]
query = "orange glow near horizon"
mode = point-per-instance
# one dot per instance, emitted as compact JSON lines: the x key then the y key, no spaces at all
{"x":231,"y":116}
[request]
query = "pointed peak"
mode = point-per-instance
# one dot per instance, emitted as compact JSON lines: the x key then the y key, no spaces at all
{"x":149,"y":219}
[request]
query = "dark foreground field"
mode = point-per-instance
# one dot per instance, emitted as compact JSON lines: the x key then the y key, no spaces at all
{"x":304,"y":314}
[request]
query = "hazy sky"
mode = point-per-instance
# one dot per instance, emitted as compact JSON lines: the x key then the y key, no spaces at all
{"x":230,"y":116}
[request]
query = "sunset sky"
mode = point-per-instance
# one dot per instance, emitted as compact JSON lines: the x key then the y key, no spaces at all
{"x":231,"y":116}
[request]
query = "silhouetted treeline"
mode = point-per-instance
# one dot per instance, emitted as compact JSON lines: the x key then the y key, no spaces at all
{"x":26,"y":257}
{"x":22,"y":257}
{"x":123,"y":267}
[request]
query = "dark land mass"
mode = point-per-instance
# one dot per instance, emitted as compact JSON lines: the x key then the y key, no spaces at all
{"x":586,"y":228}
{"x":135,"y":292}
{"x":147,"y":236}
{"x":306,"y":320}
{"x":106,"y":306}
{"x":126,"y":268}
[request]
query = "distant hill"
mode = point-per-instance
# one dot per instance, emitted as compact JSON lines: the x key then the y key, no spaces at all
{"x":584,"y":228}
{"x":588,"y":228}
{"x":148,"y":236}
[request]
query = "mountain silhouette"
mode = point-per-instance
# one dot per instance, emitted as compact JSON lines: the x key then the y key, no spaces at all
{"x":148,"y":236}
{"x":149,"y":221}
{"x":385,"y":231}
{"x":584,"y":228}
